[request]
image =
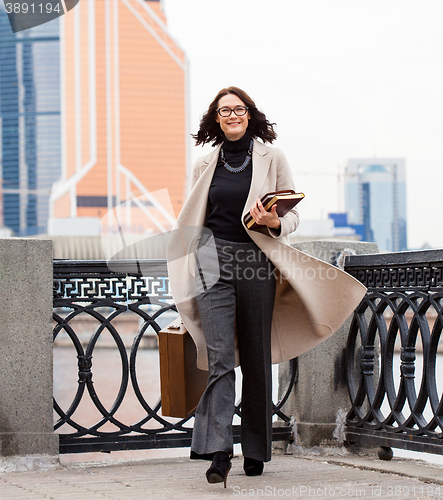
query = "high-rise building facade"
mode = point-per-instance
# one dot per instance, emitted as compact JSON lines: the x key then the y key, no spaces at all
{"x":30,"y":139}
{"x":123,"y":112}
{"x":92,"y":114}
{"x":375,"y":197}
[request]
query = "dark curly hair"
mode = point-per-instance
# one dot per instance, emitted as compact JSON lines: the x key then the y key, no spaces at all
{"x":258,"y":127}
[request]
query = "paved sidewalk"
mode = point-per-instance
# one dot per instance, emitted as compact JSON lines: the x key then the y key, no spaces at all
{"x":286,"y":476}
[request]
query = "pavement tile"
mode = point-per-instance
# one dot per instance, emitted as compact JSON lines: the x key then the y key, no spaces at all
{"x":285,"y":477}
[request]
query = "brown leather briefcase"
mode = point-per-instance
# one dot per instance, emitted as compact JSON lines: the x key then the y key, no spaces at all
{"x":182,"y":383}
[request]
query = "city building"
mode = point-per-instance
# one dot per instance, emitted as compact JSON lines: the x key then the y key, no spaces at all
{"x":124,"y":98}
{"x":375,"y":198}
{"x":343,"y":228}
{"x":334,"y":227}
{"x":30,"y":139}
{"x":93,"y":115}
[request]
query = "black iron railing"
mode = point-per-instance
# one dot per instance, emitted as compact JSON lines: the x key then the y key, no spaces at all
{"x":92,"y":307}
{"x":394,"y":380}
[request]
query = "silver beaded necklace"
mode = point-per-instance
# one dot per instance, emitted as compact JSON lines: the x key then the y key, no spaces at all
{"x":242,"y":166}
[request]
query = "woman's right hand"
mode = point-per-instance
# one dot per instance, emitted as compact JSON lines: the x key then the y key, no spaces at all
{"x":263,"y":217}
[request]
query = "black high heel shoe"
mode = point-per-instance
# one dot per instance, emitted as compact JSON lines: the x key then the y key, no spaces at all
{"x":220,"y":467}
{"x":252,"y":467}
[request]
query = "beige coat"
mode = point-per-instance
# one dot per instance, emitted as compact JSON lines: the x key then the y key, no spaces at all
{"x":313,"y":298}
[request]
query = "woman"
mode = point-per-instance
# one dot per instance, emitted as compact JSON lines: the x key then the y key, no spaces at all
{"x":259,"y":290}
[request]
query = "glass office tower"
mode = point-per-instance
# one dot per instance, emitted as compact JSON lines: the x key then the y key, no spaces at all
{"x":29,"y":124}
{"x":375,"y":196}
{"x":93,"y":114}
{"x":124,"y":116}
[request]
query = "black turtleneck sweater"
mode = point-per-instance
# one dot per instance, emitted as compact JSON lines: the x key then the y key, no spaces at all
{"x":228,"y":192}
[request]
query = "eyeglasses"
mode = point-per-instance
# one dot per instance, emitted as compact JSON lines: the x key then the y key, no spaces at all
{"x":238,"y":110}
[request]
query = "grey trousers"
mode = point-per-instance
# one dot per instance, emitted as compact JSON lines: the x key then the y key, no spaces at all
{"x":241,"y":301}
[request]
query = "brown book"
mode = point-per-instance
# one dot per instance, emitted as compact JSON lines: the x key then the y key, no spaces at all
{"x":181,"y":382}
{"x":285,"y":200}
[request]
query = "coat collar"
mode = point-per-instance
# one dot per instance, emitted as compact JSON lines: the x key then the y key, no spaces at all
{"x":259,"y":148}
{"x":261,"y":160}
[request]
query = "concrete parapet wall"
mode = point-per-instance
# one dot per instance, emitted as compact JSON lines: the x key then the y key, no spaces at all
{"x":103,"y":247}
{"x":320,"y":399}
{"x":26,"y":385}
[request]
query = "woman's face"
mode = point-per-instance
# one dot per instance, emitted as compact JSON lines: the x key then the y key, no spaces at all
{"x":233,"y":126}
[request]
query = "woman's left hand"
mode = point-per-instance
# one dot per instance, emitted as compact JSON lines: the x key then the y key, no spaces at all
{"x":264,"y":218}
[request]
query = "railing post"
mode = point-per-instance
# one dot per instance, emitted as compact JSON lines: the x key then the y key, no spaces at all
{"x":26,"y":417}
{"x":320,"y":399}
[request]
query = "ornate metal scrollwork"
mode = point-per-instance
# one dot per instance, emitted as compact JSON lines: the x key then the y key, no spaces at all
{"x":90,"y":290}
{"x":397,"y":329}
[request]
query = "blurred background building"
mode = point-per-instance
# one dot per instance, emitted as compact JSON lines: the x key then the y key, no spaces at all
{"x":93,"y":114}
{"x":30,"y":139}
{"x":374,"y":206}
{"x":375,"y":201}
{"x":93,"y":128}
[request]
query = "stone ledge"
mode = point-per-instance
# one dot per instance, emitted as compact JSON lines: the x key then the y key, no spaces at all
{"x":26,"y":444}
{"x":29,"y":463}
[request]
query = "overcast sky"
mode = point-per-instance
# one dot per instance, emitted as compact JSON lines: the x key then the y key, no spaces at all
{"x":341,"y":78}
